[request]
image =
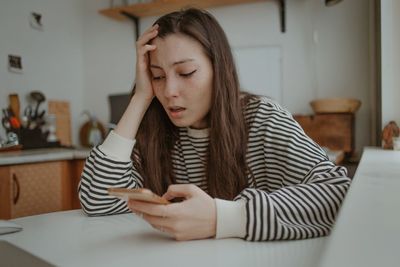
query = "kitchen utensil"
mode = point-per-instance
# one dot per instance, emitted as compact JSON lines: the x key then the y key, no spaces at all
{"x":5,"y":113}
{"x":24,"y":121}
{"x":15,"y":124}
{"x":6,"y":124}
{"x":28,"y":116}
{"x":39,"y":98}
{"x":14,"y":105}
{"x":10,"y":116}
{"x":28,"y":111}
{"x":63,"y":120}
{"x":40,"y":116}
{"x":9,"y":121}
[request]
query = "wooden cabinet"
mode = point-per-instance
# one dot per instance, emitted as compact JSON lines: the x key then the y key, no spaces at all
{"x":37,"y":188}
{"x":335,"y":131}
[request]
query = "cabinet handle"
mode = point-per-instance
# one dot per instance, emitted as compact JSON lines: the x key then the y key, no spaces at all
{"x":15,"y":181}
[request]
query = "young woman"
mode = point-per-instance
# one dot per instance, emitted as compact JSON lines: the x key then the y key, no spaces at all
{"x":241,"y":163}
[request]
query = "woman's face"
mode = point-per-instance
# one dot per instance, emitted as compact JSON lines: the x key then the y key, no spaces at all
{"x":182,"y":78}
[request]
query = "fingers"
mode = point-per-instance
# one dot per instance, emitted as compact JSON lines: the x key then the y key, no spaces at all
{"x":142,"y":54}
{"x":162,"y":224}
{"x":156,"y":26}
{"x":180,"y":190}
{"x":154,"y":214}
{"x":149,"y":208}
{"x":143,"y":47}
{"x":147,"y":36}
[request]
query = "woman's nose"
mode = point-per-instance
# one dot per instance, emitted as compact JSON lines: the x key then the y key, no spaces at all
{"x":171,"y":88}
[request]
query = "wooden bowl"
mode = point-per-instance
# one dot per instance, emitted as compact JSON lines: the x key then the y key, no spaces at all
{"x":335,"y":105}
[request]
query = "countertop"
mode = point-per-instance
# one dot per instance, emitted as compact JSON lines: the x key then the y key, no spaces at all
{"x":42,"y":155}
{"x":73,"y":239}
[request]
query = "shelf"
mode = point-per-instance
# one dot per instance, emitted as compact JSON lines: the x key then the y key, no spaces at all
{"x":160,"y":7}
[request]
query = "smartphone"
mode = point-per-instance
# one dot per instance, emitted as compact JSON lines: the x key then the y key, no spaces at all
{"x":140,"y":194}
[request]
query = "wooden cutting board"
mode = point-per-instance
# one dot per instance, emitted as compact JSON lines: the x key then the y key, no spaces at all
{"x":14,"y":105}
{"x":62,"y":112}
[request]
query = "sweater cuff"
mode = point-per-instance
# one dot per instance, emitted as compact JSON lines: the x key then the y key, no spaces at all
{"x":117,"y":147}
{"x":231,"y":218}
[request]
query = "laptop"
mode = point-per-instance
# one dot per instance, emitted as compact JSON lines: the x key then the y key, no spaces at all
{"x":118,"y":104}
{"x":11,"y":255}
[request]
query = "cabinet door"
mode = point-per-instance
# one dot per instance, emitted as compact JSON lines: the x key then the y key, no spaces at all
{"x":5,"y":194}
{"x":39,"y":188}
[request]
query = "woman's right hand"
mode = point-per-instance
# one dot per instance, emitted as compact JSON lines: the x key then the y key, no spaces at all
{"x":144,"y":88}
{"x":129,"y":123}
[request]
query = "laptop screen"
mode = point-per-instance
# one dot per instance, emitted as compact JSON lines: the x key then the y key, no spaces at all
{"x":118,"y":104}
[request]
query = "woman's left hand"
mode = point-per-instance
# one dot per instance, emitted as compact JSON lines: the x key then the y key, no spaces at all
{"x":193,"y":218}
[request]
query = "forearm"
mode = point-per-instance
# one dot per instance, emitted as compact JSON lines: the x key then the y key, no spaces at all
{"x":292,"y":212}
{"x":100,"y":173}
{"x":295,"y":212}
{"x":108,"y":165}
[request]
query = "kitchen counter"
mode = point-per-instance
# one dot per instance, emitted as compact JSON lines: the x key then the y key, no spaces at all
{"x":42,"y":155}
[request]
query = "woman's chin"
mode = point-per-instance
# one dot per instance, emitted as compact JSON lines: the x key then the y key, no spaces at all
{"x":179,"y":123}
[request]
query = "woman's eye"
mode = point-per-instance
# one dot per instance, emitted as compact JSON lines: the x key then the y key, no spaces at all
{"x":187,"y":74}
{"x":157,"y":78}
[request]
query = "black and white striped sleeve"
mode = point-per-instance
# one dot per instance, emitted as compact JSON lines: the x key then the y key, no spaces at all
{"x":306,"y":189}
{"x":108,"y":165}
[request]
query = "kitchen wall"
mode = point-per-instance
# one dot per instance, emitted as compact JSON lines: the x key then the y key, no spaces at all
{"x":52,"y":59}
{"x":325,"y":52}
{"x":390,"y":49}
{"x":109,"y":58}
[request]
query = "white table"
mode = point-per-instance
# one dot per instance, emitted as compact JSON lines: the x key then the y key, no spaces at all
{"x":367,"y":231}
{"x":73,"y":239}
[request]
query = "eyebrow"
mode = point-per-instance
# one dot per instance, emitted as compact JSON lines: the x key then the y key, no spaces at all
{"x":173,"y":64}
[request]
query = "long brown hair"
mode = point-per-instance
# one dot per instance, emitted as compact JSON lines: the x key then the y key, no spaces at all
{"x":226,"y":165}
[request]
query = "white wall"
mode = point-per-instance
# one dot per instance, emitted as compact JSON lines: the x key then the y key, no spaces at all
{"x":396,"y":60}
{"x":336,"y":64}
{"x":109,"y":58}
{"x":343,"y":59}
{"x":52,"y":59}
{"x":390,"y":49}
{"x":103,"y":51}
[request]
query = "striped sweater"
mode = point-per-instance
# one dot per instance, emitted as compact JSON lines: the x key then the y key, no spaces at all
{"x":296,"y":192}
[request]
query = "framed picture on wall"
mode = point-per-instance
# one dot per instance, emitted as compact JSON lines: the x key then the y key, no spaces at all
{"x":14,"y":63}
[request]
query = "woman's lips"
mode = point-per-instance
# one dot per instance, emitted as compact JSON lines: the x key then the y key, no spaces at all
{"x":176,"y":111}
